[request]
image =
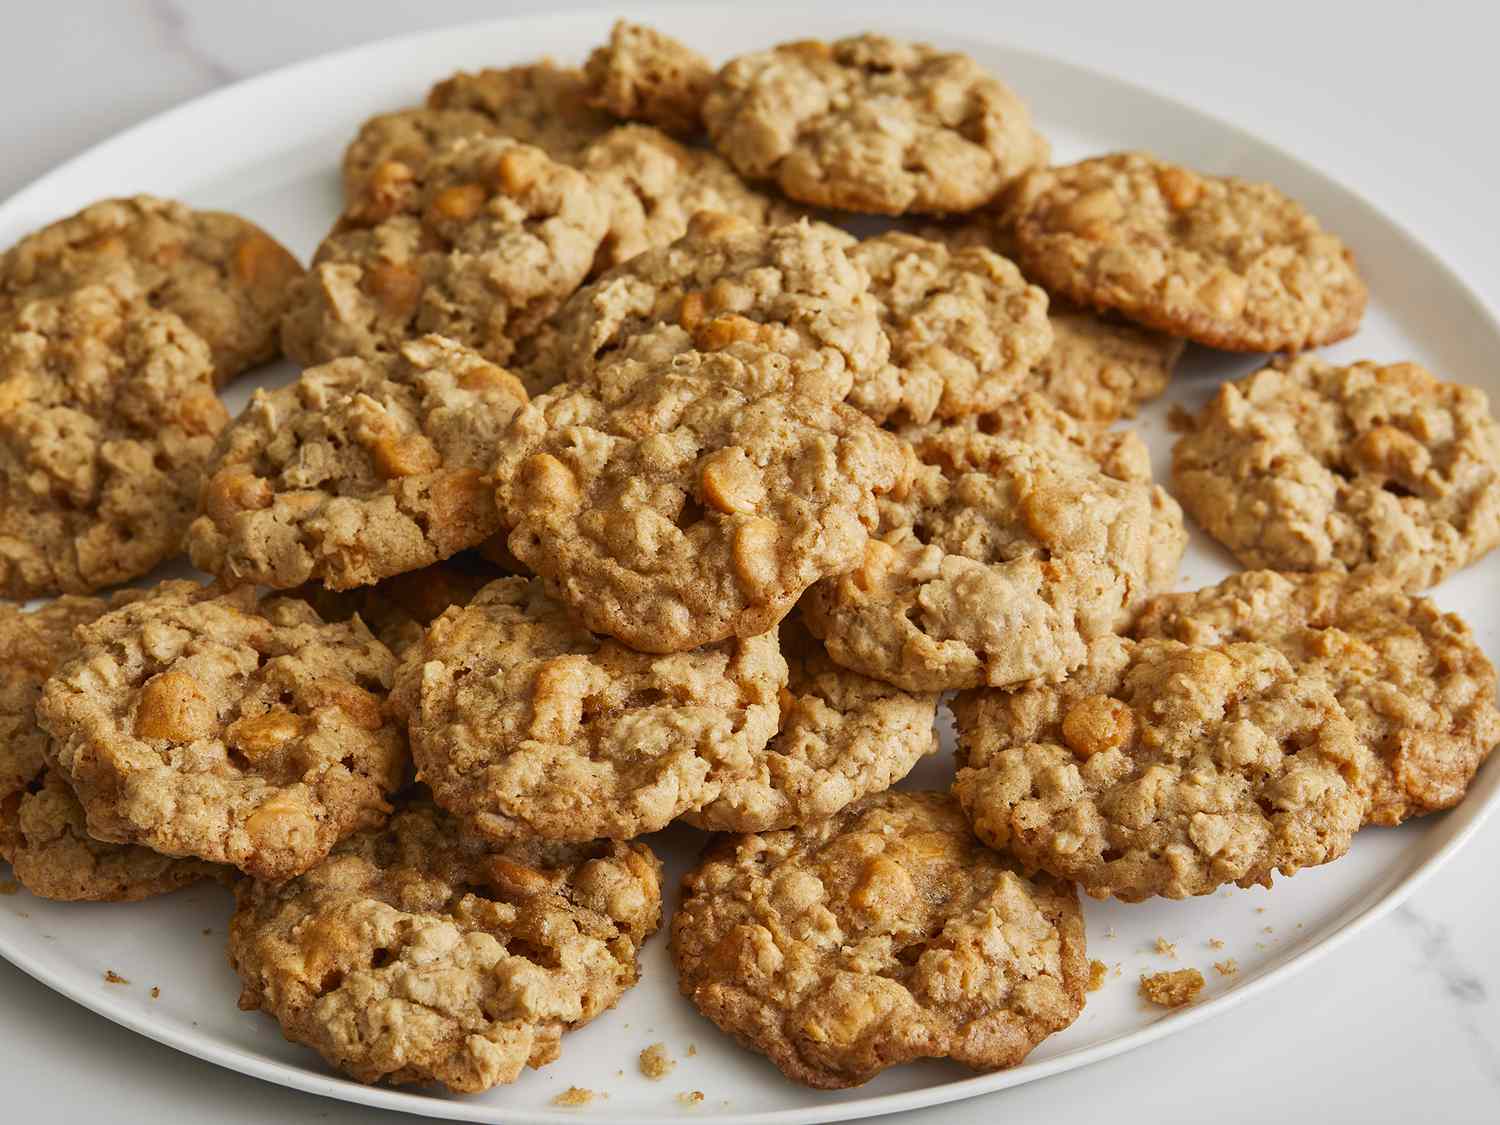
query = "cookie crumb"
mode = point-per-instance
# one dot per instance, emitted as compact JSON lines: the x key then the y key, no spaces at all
{"x":1098,"y":970}
{"x":155,"y":992}
{"x":1227,"y":967}
{"x":206,"y":931}
{"x":690,"y":1097}
{"x":1165,"y":948}
{"x":655,"y":1062}
{"x":9,"y":887}
{"x":575,"y":1096}
{"x":1215,"y":943}
{"x":1260,"y":910}
{"x":1268,"y":930}
{"x":692,"y":1050}
{"x":1110,"y":933}
{"x":1172,"y":990}
{"x":112,"y":977}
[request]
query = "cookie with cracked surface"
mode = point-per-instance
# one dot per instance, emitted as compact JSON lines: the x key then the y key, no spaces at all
{"x":200,"y":723}
{"x":1382,"y":471}
{"x":539,"y":104}
{"x":107,"y":421}
{"x":225,"y":277}
{"x":385,"y":165}
{"x":694,"y":507}
{"x":360,"y":470}
{"x":1221,"y":261}
{"x":418,"y":953}
{"x":872,"y":124}
{"x":842,"y":736}
{"x":1161,"y":768}
{"x":524,"y":723}
{"x":1412,"y":679}
{"x":1023,"y":535}
{"x":1101,"y":369}
{"x":884,"y":934}
{"x":643,"y":75}
{"x":503,"y":236}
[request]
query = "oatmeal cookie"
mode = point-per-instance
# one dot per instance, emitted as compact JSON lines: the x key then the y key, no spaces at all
{"x":841,"y":737}
{"x":417,"y":953}
{"x":504,"y":234}
{"x":200,"y":723}
{"x":386,"y":164}
{"x":1381,"y":471}
{"x":1412,"y":679}
{"x":1161,"y":768}
{"x":643,"y":75}
{"x":872,"y":124}
{"x":225,"y":277}
{"x":1101,"y":369}
{"x":362,"y":469}
{"x":1220,"y":261}
{"x":883,"y":934}
{"x":696,"y":507}
{"x":107,"y":420}
{"x":526,"y":724}
{"x":539,"y":104}
{"x":1023,"y":535}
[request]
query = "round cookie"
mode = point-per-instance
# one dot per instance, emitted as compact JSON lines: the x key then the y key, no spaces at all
{"x":200,"y":723}
{"x":225,"y":277}
{"x":418,"y":954}
{"x":881,"y":935}
{"x":539,"y":104}
{"x":42,"y":832}
{"x":1159,"y":768}
{"x":525,"y":724}
{"x":503,"y":235}
{"x":1220,"y":261}
{"x":362,"y":469}
{"x":841,"y":737}
{"x":697,"y":506}
{"x":1412,"y":679}
{"x":872,"y":124}
{"x":1101,"y":369}
{"x":385,"y":165}
{"x":643,"y":75}
{"x":1380,"y":471}
{"x":1023,"y":535}
{"x":107,"y":420}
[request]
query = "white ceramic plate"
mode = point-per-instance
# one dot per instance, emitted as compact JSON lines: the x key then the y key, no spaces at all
{"x":270,"y":148}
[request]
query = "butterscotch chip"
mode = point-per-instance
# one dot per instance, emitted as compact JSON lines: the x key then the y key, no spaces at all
{"x":1381,"y":471}
{"x":1225,"y":763}
{"x":1221,"y":261}
{"x":225,"y":277}
{"x":199,"y":723}
{"x":1412,"y":679}
{"x":107,"y":420}
{"x":872,"y":124}
{"x":1172,"y":990}
{"x":883,"y":934}
{"x":539,"y":104}
{"x":362,"y":469}
{"x":525,"y":724}
{"x":416,"y":953}
{"x":1023,"y":536}
{"x":841,"y":737}
{"x":643,"y":75}
{"x":385,"y":166}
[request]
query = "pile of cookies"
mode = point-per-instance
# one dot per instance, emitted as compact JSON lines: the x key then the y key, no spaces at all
{"x":622,"y":487}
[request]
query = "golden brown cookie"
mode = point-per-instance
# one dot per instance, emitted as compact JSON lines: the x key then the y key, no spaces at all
{"x":225,"y":277}
{"x":385,"y":165}
{"x":417,"y":954}
{"x":872,"y":124}
{"x":1220,"y":261}
{"x":200,"y":723}
{"x":107,"y":421}
{"x":883,"y":934}
{"x":1101,"y":369}
{"x":643,"y":75}
{"x":539,"y":104}
{"x":1381,"y":471}
{"x":1412,"y":679}
{"x":526,"y":724}
{"x":360,"y":470}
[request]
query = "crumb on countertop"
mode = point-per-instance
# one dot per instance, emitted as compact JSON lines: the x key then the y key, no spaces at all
{"x":1173,"y":989}
{"x":1165,"y":948}
{"x":690,"y":1097}
{"x":575,"y":1096}
{"x":1098,"y":970}
{"x":1227,"y":967}
{"x":655,"y":1063}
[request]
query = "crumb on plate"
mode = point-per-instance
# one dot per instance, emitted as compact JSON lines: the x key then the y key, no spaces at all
{"x":1173,"y":989}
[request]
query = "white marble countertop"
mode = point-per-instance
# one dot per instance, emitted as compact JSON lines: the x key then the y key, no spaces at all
{"x":1404,"y":1022}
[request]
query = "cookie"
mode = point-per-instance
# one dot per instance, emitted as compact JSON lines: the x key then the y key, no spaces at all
{"x":881,"y":935}
{"x":539,"y":104}
{"x":1164,"y":769}
{"x":360,"y":470}
{"x":225,"y":277}
{"x":872,"y":124}
{"x":697,"y":506}
{"x":525,"y":724}
{"x":418,"y":954}
{"x":643,"y":75}
{"x":965,"y":328}
{"x":503,"y":236}
{"x":385,"y":165}
{"x":1412,"y":679}
{"x":1378,"y":470}
{"x":1100,"y":369}
{"x":200,"y":723}
{"x":842,"y":736}
{"x":1023,"y":535}
{"x":107,"y":421}
{"x":1224,"y":262}
{"x":42,"y":833}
